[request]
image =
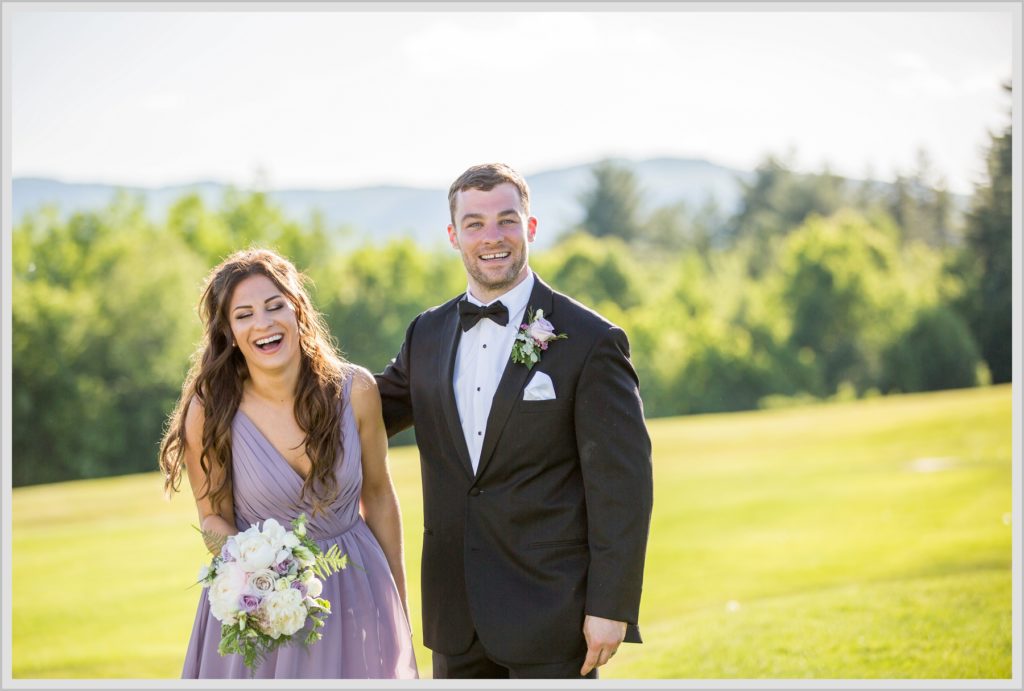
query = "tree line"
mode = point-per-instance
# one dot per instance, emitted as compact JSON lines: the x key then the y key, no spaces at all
{"x":818,"y":287}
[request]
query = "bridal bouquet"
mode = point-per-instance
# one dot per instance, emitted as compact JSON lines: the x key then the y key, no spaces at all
{"x":265,"y":585}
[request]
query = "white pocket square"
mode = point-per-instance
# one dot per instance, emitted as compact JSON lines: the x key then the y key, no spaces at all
{"x":540,"y":388}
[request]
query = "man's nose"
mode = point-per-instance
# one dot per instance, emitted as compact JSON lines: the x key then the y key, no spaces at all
{"x":492,"y":230}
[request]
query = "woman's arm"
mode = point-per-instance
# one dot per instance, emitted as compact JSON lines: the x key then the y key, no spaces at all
{"x":211,"y":522}
{"x":379,"y":499}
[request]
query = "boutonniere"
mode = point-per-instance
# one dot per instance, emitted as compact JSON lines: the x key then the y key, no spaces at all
{"x":532,"y":338}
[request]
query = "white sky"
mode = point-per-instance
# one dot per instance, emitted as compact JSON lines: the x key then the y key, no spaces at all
{"x":343,"y":98}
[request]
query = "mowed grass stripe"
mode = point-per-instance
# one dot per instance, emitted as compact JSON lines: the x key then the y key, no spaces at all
{"x":868,"y":539}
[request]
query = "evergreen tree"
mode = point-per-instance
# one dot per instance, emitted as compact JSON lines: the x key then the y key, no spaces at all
{"x":776,"y":202}
{"x":612,"y":205}
{"x":988,"y":260}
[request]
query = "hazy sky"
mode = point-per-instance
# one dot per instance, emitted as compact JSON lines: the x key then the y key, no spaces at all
{"x":344,"y":98}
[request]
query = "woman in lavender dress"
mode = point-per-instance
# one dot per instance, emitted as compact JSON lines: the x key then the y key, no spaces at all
{"x":273,"y":423}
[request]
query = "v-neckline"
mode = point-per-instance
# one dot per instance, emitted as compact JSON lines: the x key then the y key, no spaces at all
{"x":280,"y":455}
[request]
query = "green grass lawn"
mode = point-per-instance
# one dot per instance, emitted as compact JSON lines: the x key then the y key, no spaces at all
{"x":851,"y":540}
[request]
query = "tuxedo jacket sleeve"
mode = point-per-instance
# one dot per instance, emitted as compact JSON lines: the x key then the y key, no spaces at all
{"x":615,"y":459}
{"x":393,"y":384}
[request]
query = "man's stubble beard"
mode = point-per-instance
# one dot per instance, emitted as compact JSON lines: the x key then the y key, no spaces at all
{"x":505,"y":281}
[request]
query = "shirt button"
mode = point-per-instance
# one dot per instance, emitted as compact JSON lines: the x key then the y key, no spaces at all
{"x":479,"y":434}
{"x":478,"y":388}
{"x":485,"y":345}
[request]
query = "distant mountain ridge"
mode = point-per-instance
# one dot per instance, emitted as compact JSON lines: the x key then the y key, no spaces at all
{"x":379,"y":213}
{"x":388,"y":211}
{"x":384,"y":212}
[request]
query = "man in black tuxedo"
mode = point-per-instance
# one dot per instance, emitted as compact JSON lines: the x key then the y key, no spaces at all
{"x":537,"y":482}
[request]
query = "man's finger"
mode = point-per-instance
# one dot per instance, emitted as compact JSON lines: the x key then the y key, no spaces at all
{"x":588,"y":664}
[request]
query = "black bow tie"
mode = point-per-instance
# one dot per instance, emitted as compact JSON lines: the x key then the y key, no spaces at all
{"x":470,"y":314}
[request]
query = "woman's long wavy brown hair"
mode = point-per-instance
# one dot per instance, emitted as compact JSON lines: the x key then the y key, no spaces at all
{"x":219,"y":371}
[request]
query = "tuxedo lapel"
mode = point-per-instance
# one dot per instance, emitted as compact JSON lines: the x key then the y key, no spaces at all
{"x":513,"y":379}
{"x":446,"y":363}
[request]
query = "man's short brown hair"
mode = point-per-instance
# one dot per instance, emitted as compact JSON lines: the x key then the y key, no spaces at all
{"x":486,"y":177}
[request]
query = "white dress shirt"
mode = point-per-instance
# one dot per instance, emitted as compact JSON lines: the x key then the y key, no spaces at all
{"x":480,"y":361}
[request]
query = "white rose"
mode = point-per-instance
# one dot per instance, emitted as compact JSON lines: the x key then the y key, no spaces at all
{"x":231,"y":545}
{"x":290,"y":541}
{"x":225,"y":592}
{"x":273,"y":533}
{"x":252,"y":551}
{"x":262,"y":582}
{"x":250,"y":533}
{"x":234,"y":542}
{"x":284,"y":612}
{"x":314,"y":587}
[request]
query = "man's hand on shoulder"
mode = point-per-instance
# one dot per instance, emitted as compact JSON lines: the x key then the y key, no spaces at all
{"x":603,"y":639}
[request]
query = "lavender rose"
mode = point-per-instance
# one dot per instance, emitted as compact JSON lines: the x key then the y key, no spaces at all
{"x":284,"y":566}
{"x":540,"y":329}
{"x":249,"y":603}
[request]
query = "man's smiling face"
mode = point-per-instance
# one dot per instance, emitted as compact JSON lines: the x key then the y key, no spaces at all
{"x":492,"y":232}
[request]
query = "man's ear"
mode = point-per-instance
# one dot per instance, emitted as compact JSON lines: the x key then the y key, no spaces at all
{"x":453,"y":236}
{"x":531,"y":228}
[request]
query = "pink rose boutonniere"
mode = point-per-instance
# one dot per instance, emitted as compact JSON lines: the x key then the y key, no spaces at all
{"x":533,"y":337}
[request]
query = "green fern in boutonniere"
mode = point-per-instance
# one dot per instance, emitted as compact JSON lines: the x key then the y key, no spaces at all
{"x":533,"y":337}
